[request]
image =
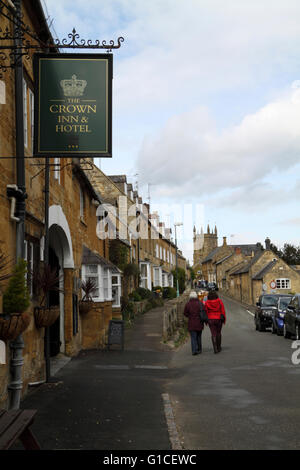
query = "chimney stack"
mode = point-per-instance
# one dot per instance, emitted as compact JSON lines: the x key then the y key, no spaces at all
{"x":268,"y":243}
{"x":224,"y":241}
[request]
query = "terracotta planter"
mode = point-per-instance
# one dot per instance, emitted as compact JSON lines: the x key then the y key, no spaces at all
{"x":13,"y":325}
{"x":45,"y":317}
{"x":85,"y":306}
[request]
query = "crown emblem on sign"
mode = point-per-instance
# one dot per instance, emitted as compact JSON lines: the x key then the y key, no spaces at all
{"x":73,"y":87}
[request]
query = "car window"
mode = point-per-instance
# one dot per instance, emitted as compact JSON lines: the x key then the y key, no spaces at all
{"x":269,"y":301}
{"x":283,"y":302}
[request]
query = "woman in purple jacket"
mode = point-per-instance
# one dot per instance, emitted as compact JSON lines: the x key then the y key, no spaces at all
{"x":195,"y":312}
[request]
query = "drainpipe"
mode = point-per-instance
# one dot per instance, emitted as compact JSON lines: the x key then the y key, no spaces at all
{"x":17,"y":346}
{"x":46,"y":262}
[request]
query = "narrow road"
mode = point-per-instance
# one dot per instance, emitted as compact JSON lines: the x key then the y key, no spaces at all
{"x":246,"y":397}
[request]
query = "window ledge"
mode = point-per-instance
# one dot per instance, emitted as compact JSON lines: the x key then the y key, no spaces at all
{"x":83,"y":222}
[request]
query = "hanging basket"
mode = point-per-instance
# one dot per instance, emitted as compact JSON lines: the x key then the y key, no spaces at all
{"x":13,"y":325}
{"x":85,"y":306}
{"x":46,"y":316}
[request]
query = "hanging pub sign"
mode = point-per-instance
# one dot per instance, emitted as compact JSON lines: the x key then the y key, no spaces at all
{"x":73,"y":105}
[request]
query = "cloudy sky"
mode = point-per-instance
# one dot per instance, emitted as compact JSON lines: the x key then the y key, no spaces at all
{"x":206,"y":108}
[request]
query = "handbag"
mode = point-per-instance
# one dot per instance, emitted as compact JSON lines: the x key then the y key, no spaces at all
{"x":222,"y":318}
{"x":202,"y":313}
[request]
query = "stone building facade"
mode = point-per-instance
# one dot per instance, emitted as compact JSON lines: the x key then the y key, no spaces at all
{"x":73,"y":225}
{"x":151,"y":246}
{"x":264,"y":273}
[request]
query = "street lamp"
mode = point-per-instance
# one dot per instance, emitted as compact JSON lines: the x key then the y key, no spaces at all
{"x":178,"y":224}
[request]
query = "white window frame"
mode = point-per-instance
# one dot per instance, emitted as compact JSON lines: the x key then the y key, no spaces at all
{"x":165,"y":280}
{"x":96,"y":275}
{"x":107,"y":284}
{"x":164,"y":254}
{"x":160,"y":252}
{"x":157,"y":281}
{"x":104,"y":281}
{"x":157,"y":250}
{"x":283,"y":283}
{"x":57,"y":171}
{"x":145,"y":280}
{"x":117,"y":287}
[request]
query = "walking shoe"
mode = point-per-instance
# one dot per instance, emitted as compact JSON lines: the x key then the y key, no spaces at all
{"x":214,"y":342}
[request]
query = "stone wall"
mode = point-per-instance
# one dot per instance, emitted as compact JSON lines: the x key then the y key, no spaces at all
{"x":173,"y":317}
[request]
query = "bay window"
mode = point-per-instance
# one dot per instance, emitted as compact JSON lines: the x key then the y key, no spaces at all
{"x":116,"y":290}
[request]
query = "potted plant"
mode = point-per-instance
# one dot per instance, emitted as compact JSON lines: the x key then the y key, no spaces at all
{"x":46,"y":280}
{"x":86,"y":303}
{"x":14,"y":320}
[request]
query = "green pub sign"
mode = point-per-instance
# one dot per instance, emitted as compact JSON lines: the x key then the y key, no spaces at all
{"x":73,"y":106}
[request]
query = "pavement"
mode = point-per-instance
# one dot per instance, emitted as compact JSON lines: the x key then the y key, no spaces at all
{"x":108,"y":400}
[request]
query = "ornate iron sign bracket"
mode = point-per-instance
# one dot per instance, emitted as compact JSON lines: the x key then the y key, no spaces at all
{"x":11,"y":54}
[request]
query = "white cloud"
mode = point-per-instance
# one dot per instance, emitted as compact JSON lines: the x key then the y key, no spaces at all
{"x":189,"y":156}
{"x":177,"y":52}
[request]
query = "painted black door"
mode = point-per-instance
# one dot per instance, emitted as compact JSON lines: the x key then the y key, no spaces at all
{"x":54,"y":301}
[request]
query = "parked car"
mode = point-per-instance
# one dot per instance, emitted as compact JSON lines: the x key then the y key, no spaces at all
{"x":265,"y":310}
{"x":279,"y":313}
{"x":291,"y":325}
{"x":202,"y":284}
{"x":212,"y":286}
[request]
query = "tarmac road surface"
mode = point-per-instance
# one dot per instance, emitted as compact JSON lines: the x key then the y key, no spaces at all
{"x":246,"y":397}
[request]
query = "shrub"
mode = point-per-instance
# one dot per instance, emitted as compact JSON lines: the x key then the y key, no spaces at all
{"x":144,"y":293}
{"x":135,"y":296}
{"x":169,"y":293}
{"x":128,"y":312}
{"x":16,"y":298}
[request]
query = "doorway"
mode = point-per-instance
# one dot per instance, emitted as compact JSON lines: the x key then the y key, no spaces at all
{"x":54,"y":300}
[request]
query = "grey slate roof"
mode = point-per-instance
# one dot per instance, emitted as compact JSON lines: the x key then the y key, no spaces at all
{"x":210,"y":256}
{"x":118,"y":178}
{"x":224,"y":259}
{"x":92,"y":257}
{"x":245,"y":249}
{"x":247,"y":266}
{"x":262,"y":272}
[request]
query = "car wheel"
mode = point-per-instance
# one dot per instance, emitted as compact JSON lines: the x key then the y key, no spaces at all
{"x":286,"y":334}
{"x":260,"y":327}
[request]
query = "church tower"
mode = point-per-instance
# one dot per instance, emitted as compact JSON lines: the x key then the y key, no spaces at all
{"x":204,"y":243}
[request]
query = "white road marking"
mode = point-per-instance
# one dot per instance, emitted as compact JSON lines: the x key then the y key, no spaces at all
{"x":251,"y":313}
{"x":173,"y":434}
{"x":151,"y":367}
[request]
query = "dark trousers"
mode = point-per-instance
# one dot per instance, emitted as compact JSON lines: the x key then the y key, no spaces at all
{"x":215,"y":327}
{"x":196,"y":341}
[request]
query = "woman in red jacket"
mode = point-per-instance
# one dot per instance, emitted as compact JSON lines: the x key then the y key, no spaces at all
{"x":195,"y":312}
{"x":216,"y":318}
